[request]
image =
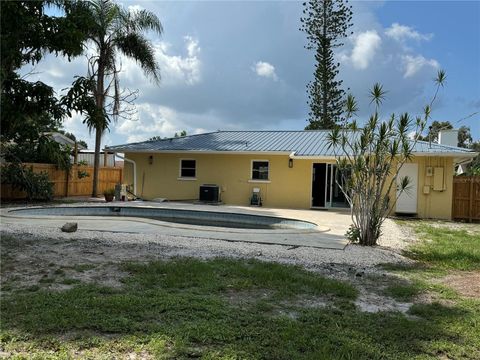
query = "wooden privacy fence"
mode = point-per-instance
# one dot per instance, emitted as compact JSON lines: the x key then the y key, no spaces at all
{"x":70,"y":183}
{"x":466,"y":198}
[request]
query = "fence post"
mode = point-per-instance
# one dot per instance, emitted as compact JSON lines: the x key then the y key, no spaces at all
{"x":470,"y":204}
{"x":66,"y":182}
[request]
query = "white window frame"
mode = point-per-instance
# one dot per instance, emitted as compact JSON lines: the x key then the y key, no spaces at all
{"x":186,"y":178}
{"x":252,"y":180}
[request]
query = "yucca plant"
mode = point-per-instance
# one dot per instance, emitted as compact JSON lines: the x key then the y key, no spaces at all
{"x":369,"y":159}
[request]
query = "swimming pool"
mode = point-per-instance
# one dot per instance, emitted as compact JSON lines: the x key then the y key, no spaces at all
{"x":178,"y":216}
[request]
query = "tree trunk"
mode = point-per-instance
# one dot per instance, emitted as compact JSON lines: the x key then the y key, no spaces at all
{"x":100,"y":100}
{"x":96,"y":161}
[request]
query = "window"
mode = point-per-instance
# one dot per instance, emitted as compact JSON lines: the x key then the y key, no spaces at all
{"x":188,"y":168}
{"x":259,"y":170}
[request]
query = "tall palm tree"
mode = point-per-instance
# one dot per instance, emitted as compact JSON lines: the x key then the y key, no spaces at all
{"x":116,"y":31}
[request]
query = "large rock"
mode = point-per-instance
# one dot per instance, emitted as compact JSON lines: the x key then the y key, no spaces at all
{"x":70,"y":227}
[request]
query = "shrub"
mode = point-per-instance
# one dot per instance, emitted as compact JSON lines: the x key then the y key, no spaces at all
{"x":36,"y":185}
{"x":109,"y":192}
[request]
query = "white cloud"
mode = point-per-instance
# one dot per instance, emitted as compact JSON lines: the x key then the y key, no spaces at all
{"x":413,"y":64}
{"x":180,"y":69}
{"x":265,"y":69}
{"x":402,"y":32}
{"x":175,"y":69}
{"x":365,"y":46}
{"x":135,"y":8}
{"x":159,"y":120}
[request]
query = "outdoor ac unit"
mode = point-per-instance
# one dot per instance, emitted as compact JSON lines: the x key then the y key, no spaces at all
{"x":209,"y":193}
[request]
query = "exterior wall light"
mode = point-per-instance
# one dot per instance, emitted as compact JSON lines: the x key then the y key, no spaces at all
{"x":290,"y":163}
{"x":150,"y":159}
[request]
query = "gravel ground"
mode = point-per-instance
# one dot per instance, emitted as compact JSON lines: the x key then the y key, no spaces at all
{"x":125,"y":246}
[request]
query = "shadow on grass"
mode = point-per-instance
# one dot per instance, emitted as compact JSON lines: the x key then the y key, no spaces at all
{"x":182,"y":309}
{"x":446,"y":248}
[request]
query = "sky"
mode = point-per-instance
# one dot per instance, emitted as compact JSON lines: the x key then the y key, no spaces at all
{"x":237,"y":65}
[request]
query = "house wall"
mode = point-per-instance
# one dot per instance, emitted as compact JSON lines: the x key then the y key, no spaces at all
{"x":288,"y":188}
{"x":436,"y":204}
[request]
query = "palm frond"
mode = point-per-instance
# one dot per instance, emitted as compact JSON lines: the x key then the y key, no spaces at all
{"x":137,"y":47}
{"x":144,"y":20}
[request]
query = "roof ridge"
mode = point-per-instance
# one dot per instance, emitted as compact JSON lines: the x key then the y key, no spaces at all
{"x":239,"y":131}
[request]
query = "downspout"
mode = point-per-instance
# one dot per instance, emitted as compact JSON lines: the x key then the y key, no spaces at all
{"x":134,"y":172}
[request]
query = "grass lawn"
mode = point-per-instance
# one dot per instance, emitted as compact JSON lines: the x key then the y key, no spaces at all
{"x":246,"y":309}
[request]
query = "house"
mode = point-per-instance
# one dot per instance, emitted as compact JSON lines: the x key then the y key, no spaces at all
{"x":291,"y":169}
{"x":106,"y":158}
{"x":63,"y":140}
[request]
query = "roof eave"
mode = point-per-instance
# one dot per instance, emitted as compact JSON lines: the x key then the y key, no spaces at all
{"x":232,"y":152}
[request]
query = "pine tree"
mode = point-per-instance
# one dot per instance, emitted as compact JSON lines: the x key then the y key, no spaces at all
{"x":326,"y":23}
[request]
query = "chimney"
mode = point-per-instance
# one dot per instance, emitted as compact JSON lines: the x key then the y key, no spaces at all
{"x":448,"y":137}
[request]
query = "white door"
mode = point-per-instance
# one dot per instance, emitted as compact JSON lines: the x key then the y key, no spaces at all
{"x":407,"y":202}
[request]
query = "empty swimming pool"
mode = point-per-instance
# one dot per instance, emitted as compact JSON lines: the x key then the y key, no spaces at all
{"x":179,"y":216}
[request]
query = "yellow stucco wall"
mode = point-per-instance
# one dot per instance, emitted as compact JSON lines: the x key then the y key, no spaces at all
{"x":288,"y":188}
{"x":436,"y":204}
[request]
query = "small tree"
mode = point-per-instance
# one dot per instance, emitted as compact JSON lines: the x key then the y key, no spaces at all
{"x":369,"y":160}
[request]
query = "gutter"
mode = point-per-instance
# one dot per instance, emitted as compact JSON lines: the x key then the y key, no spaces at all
{"x":134,"y":171}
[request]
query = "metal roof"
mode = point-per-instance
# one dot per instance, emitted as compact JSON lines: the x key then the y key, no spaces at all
{"x":303,"y":143}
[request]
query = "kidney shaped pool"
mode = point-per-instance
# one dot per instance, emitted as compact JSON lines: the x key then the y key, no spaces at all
{"x":179,"y":216}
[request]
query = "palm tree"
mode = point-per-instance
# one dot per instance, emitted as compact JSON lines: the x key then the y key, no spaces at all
{"x":115,"y":31}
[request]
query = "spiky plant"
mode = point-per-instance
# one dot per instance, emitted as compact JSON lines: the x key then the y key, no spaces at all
{"x":370,"y":158}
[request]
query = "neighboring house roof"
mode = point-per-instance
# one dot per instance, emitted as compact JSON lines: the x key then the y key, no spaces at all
{"x":299,"y":144}
{"x":62,"y":139}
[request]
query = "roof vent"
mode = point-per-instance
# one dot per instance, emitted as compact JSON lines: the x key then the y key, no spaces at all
{"x":448,"y":137}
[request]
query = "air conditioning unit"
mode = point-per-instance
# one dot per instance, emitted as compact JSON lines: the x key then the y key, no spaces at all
{"x":209,"y":193}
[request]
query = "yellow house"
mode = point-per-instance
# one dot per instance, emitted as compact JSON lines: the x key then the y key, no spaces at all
{"x":283,"y":169}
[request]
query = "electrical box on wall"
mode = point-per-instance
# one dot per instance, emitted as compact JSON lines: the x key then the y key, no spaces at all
{"x":429,"y":171}
{"x":426,"y":189}
{"x":438,"y":179}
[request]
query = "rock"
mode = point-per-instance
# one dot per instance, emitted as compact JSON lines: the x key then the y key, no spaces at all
{"x":70,"y":227}
{"x":359,"y":273}
{"x":259,"y":253}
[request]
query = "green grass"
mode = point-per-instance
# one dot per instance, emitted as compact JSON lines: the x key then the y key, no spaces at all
{"x":404,"y":291}
{"x":444,"y":248}
{"x":227,"y":309}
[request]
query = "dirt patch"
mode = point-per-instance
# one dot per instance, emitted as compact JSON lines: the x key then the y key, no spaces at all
{"x":247,"y":297}
{"x":470,"y":228}
{"x":312,"y":302}
{"x":465,"y":283}
{"x":431,"y":297}
{"x":59,"y":264}
{"x":373,"y":303}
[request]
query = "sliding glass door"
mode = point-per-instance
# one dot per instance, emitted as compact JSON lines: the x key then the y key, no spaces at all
{"x":326,"y":187}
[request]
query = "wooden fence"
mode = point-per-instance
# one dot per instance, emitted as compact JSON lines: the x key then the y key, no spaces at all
{"x":70,"y":183}
{"x":466,"y":198}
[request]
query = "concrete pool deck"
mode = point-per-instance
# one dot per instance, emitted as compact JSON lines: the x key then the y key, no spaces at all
{"x":329,"y":234}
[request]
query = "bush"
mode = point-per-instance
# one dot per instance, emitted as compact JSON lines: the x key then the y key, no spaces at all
{"x":36,"y":185}
{"x":109,"y":192}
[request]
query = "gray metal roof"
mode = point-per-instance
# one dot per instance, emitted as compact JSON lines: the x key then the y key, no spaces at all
{"x":303,"y":143}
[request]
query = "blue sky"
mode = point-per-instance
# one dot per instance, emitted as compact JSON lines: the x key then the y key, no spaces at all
{"x":242,"y":65}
